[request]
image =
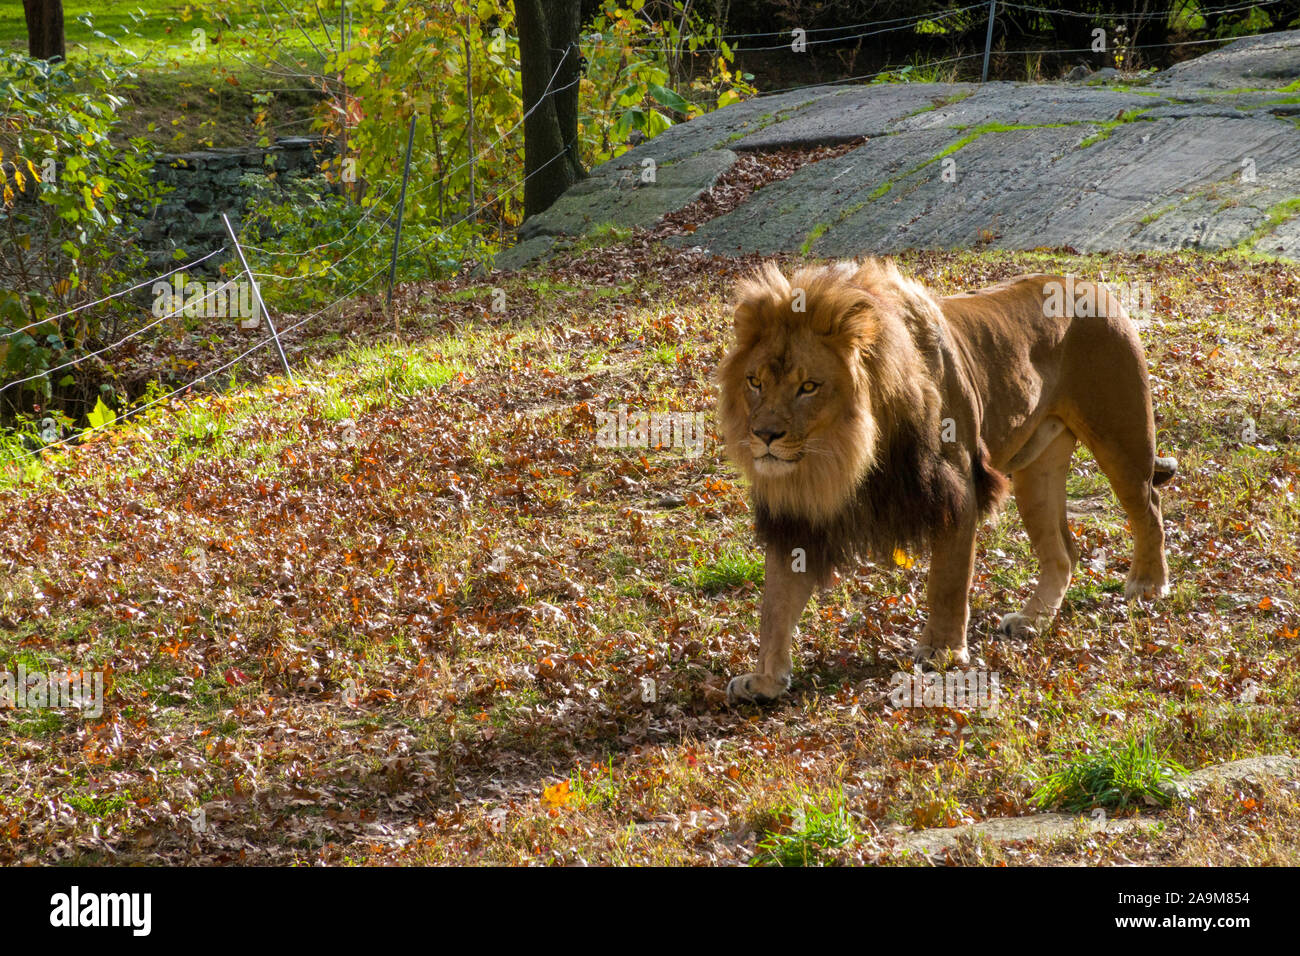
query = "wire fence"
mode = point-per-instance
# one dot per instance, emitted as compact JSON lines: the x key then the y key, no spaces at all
{"x":549,"y":90}
{"x":905,"y":23}
{"x":275,"y":337}
{"x":927,"y":21}
{"x":365,"y":243}
{"x":115,"y":295}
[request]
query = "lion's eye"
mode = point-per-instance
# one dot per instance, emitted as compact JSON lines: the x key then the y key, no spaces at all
{"x":808,"y":387}
{"x":754,"y":383}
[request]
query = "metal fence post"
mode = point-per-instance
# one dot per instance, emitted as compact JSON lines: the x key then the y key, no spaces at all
{"x":988,"y":40}
{"x":469,"y":100}
{"x":401,"y":208}
{"x":257,"y":296}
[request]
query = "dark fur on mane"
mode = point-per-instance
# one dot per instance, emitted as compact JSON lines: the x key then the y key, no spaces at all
{"x":911,"y":492}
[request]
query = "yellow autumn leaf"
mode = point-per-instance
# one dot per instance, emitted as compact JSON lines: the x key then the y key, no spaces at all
{"x":101,"y":415}
{"x":557,"y":795}
{"x":903,"y":559}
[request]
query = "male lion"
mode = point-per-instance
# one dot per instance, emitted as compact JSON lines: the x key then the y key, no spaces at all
{"x":870,"y":417}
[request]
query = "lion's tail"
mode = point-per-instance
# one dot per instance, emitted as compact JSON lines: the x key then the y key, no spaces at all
{"x":1165,"y":469}
{"x":991,"y":486}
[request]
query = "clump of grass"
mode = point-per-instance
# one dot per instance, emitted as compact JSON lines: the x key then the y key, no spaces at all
{"x":664,"y":355}
{"x":97,"y":805}
{"x":812,"y":833}
{"x":409,"y":374}
{"x":1127,"y":774}
{"x":602,"y":235}
{"x":817,"y":232}
{"x":730,"y":569}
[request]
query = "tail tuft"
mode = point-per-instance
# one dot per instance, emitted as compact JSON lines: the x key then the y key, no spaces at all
{"x":991,"y":486}
{"x":1165,"y":468}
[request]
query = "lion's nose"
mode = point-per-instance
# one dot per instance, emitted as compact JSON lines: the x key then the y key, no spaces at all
{"x":768,"y":436}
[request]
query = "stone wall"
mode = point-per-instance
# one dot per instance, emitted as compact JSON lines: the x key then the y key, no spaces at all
{"x":207,"y":183}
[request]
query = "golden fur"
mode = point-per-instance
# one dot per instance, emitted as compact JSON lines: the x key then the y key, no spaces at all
{"x":870,"y":416}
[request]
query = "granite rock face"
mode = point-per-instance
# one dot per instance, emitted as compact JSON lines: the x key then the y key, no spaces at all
{"x":1277,"y":769}
{"x":1205,"y":155}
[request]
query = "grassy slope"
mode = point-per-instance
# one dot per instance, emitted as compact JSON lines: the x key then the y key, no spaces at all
{"x":184,"y":98}
{"x":402,"y":611}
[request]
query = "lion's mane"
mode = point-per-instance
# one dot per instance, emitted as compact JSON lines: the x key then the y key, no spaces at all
{"x":886,"y":482}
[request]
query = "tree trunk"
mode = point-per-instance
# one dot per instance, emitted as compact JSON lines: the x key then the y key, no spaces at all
{"x":45,"y":29}
{"x":563,"y":21}
{"x":548,"y":35}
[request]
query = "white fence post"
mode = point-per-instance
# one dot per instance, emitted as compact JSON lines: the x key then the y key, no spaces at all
{"x":257,"y":296}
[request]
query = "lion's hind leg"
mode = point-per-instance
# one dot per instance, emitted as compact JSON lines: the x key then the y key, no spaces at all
{"x":1040,"y":497}
{"x":1129,"y":464}
{"x":1148,"y":575}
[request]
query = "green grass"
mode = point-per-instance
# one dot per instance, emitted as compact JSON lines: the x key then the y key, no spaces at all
{"x":976,"y":132}
{"x":1128,"y":774}
{"x":943,"y":101}
{"x":118,"y":24}
{"x":160,"y":30}
{"x":970,"y":135}
{"x":813,"y":831}
{"x":602,"y":235}
{"x":664,"y":355}
{"x":1106,"y":129}
{"x":731,"y":569}
{"x":817,"y":232}
{"x":1276,"y":215}
{"x":410,"y":374}
{"x":187,"y":93}
{"x":1151,"y":217}
{"x":98,"y":806}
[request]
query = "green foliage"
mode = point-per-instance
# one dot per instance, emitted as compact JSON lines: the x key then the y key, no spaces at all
{"x":412,"y":61}
{"x":1122,"y":775}
{"x":77,"y":240}
{"x":637,"y":65}
{"x":24,"y":435}
{"x":408,"y":60}
{"x":342,"y":242}
{"x":728,"y":570}
{"x":811,"y":833}
{"x":918,"y":71}
{"x":101,"y":416}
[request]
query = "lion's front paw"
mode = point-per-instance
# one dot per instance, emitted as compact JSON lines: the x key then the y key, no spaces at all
{"x":1019,"y":627}
{"x":1141,"y":588}
{"x":939,"y":656}
{"x":756,"y":688}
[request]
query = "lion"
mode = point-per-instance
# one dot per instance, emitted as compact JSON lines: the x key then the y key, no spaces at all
{"x":871,"y":418}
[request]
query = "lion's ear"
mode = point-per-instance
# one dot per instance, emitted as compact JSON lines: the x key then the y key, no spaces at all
{"x":748,"y":325}
{"x":765,"y":286}
{"x":857,"y":322}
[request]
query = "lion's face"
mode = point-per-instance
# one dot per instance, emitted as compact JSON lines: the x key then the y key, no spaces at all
{"x":796,"y":391}
{"x":795,"y":400}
